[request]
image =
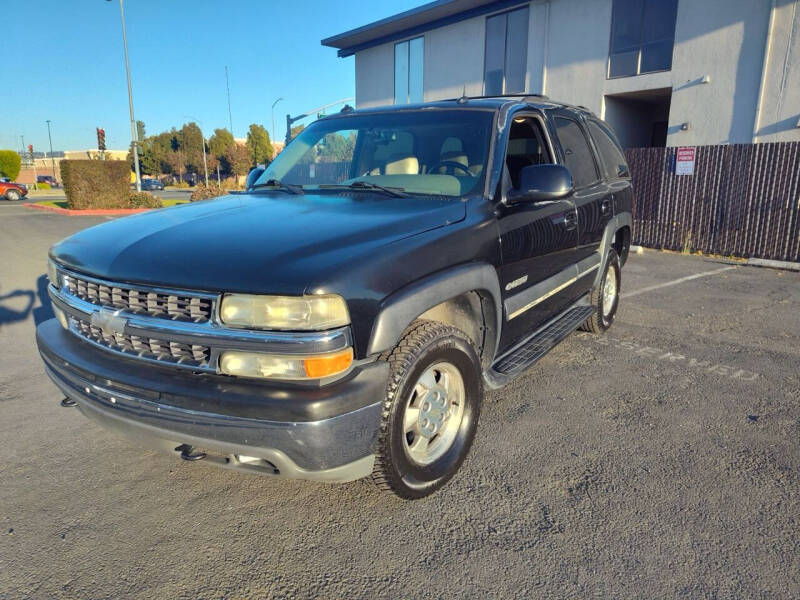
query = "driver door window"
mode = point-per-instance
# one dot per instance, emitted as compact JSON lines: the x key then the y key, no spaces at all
{"x":526,"y":147}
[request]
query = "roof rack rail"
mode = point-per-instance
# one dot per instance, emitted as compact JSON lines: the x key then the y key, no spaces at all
{"x":463,"y":98}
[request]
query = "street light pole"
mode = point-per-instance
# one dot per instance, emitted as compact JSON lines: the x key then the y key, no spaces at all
{"x":273,"y":117}
{"x":134,"y":136}
{"x":52,"y":160}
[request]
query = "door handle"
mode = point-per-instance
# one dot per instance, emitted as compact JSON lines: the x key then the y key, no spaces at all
{"x":571,"y":220}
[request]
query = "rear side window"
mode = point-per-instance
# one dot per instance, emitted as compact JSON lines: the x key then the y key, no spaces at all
{"x":578,"y":156}
{"x":614,"y":163}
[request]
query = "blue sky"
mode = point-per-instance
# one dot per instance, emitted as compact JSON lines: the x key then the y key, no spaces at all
{"x":66,"y":64}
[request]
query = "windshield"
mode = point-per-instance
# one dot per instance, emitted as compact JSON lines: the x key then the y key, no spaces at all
{"x":431,"y":152}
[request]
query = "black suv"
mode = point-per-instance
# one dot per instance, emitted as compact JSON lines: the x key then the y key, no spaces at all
{"x":341,"y":318}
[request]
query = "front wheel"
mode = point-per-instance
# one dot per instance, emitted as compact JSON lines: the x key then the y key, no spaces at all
{"x":12,"y":195}
{"x":431,"y":410}
{"x":605,"y":297}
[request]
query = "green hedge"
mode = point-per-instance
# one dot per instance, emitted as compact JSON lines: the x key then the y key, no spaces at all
{"x":42,"y":186}
{"x":96,"y":183}
{"x":10,"y":163}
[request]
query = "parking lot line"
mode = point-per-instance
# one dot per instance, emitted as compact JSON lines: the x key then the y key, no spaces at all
{"x":675,"y":282}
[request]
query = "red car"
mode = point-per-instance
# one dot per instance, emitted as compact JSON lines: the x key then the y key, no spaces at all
{"x":12,"y":191}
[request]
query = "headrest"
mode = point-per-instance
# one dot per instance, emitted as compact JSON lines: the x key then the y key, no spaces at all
{"x":408,"y":165}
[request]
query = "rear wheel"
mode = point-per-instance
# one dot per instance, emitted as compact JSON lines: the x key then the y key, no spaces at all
{"x":431,"y":410}
{"x":605,"y":297}
{"x":12,"y":195}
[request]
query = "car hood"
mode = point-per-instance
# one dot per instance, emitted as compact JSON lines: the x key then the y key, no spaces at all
{"x":268,"y":242}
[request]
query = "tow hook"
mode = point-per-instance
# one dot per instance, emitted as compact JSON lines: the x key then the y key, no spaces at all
{"x":68,"y":402}
{"x":188,"y":453}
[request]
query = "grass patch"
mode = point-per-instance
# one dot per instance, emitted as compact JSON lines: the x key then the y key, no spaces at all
{"x":54,"y":203}
{"x":173,"y":201}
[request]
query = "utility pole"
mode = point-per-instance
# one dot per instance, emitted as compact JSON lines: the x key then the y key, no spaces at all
{"x":228,"y":88}
{"x":134,"y":136}
{"x":273,"y":117}
{"x":49,"y":137}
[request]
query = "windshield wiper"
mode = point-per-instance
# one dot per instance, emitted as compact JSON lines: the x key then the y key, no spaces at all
{"x":397,"y":192}
{"x":276,"y":183}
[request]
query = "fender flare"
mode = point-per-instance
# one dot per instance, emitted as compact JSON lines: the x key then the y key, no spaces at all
{"x":400,"y":309}
{"x":618,"y":222}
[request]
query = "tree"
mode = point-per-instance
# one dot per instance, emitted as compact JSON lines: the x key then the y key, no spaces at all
{"x":258,"y":144}
{"x":190,"y":139}
{"x":219,"y":143}
{"x":140,"y":131}
{"x":177,"y":163}
{"x":295,"y":131}
{"x":337,"y":148}
{"x":10,"y":164}
{"x":238,"y":159}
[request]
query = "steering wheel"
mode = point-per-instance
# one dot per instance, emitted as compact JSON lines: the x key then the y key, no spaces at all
{"x":452,"y":166}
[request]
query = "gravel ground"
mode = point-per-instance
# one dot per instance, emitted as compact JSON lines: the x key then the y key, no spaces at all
{"x":660,"y":460}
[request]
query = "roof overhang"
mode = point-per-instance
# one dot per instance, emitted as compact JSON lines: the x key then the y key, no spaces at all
{"x":414,"y":22}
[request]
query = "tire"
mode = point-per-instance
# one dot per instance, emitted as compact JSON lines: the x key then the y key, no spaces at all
{"x":12,"y":195}
{"x":605,"y":307}
{"x":410,"y":470}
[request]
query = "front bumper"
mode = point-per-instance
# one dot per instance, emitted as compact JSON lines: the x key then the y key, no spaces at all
{"x":324,"y":433}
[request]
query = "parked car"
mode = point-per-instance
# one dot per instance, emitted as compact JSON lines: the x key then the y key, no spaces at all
{"x":152,"y":184}
{"x":12,"y":191}
{"x":342,"y":317}
{"x":48,"y":179}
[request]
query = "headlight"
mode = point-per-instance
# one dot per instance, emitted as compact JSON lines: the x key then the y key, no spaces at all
{"x":257,"y":364}
{"x":309,"y":313}
{"x":52,"y":273}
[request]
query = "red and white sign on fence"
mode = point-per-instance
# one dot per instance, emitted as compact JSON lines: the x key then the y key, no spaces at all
{"x":684,"y":161}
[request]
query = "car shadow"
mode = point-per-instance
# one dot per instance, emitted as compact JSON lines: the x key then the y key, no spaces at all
{"x":44,"y":311}
{"x":19,"y":305}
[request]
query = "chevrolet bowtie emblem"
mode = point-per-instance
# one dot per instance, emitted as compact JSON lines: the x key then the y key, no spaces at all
{"x":109,"y":322}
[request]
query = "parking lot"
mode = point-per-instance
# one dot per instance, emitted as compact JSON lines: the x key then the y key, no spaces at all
{"x":660,"y":460}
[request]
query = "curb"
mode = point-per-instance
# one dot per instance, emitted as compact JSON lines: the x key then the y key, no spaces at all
{"x":774,"y":264}
{"x":97,"y":212}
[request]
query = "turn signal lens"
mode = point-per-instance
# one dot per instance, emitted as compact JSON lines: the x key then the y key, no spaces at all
{"x":330,"y":364}
{"x":271,"y":366}
{"x":62,"y":318}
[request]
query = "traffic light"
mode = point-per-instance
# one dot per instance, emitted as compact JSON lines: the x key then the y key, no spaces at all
{"x":101,"y":139}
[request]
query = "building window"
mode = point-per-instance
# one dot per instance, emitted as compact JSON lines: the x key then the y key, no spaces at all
{"x":642,"y":37}
{"x":408,"y":60}
{"x":506,"y":53}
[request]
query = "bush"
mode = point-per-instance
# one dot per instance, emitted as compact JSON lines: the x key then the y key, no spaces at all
{"x":181,"y":185}
{"x":42,"y":186}
{"x":10,"y":163}
{"x":213,"y":190}
{"x":204,"y":193}
{"x":144,"y":200}
{"x":96,"y":183}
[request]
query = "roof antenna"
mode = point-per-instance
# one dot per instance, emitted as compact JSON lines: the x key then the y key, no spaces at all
{"x":463,"y":99}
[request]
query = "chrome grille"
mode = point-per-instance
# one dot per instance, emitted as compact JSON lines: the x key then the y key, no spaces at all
{"x":144,"y":347}
{"x":140,"y":301}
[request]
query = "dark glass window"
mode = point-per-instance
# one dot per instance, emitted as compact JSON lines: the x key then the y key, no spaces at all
{"x":506,"y":53}
{"x":642,"y":36}
{"x":408,"y":61}
{"x":578,"y":157}
{"x":614,"y":163}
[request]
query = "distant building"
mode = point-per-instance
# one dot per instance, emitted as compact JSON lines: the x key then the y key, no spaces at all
{"x":662,"y":72}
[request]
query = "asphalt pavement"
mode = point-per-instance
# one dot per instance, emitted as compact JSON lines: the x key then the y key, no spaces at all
{"x":659,"y":460}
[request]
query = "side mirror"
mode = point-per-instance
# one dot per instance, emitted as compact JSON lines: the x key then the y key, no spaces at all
{"x":542,"y":182}
{"x":253,"y":176}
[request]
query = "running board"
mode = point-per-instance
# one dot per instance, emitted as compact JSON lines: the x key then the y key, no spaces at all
{"x":535,"y":347}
